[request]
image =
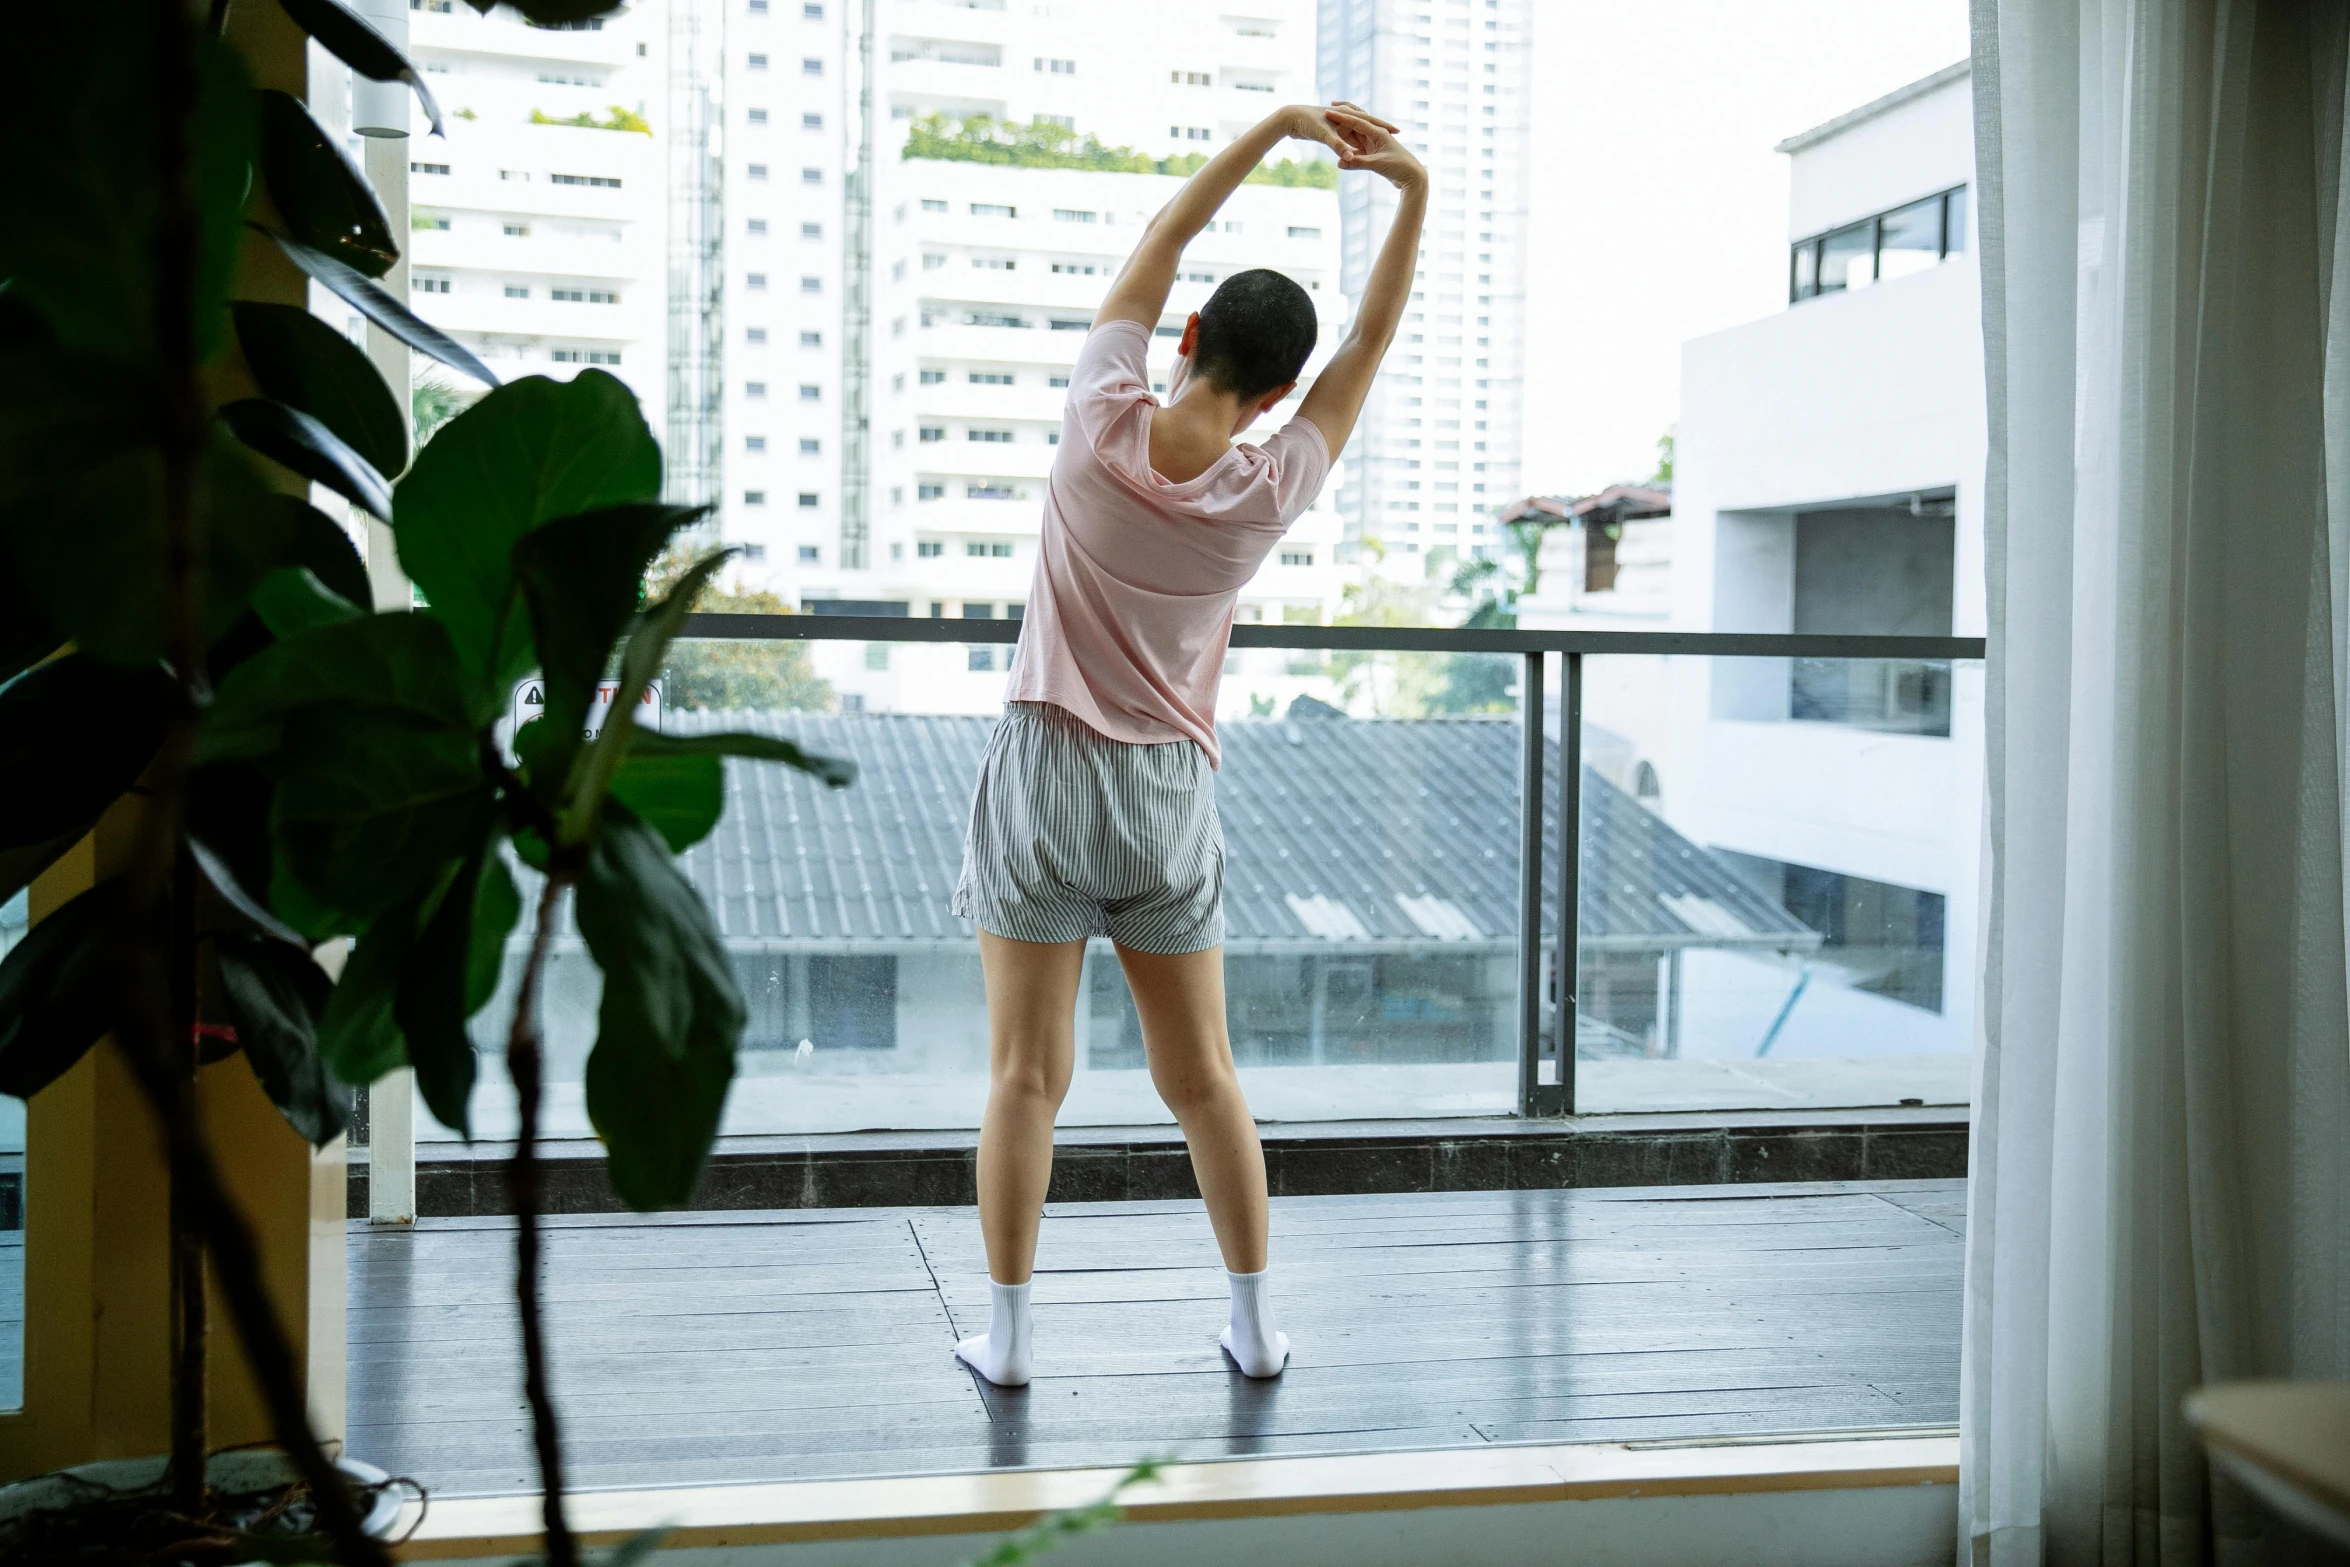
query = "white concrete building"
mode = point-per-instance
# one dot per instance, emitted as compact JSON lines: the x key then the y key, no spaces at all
{"x":983,"y":278}
{"x":1828,"y":477}
{"x":539,"y":223}
{"x":1438,"y":449}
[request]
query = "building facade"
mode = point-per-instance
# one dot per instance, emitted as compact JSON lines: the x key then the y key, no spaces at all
{"x":540,"y":222}
{"x":1437,"y":453}
{"x":1828,"y":479}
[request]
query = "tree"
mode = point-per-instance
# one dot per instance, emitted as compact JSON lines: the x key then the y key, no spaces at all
{"x":737,"y":676}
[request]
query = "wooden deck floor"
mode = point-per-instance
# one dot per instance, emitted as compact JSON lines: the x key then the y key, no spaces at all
{"x":734,"y":1346}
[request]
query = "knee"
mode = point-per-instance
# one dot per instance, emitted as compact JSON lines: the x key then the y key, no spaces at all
{"x":1197,"y":1085}
{"x":1042,"y":1081}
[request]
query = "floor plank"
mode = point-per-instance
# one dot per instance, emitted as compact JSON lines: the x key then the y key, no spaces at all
{"x":736,"y":1346}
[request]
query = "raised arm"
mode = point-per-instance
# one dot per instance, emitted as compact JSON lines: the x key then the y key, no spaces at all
{"x":1140,"y":291}
{"x":1336,"y":399}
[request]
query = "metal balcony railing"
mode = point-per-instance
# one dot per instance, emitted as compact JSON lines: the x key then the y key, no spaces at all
{"x":1546,"y":1025}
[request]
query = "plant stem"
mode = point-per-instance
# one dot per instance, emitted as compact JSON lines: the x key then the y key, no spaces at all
{"x":526,"y":1066}
{"x":190,"y":1423}
{"x":151,"y":1044}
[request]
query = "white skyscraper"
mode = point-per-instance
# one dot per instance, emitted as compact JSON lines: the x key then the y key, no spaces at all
{"x":983,"y":278}
{"x":1438,"y":448}
{"x":539,"y":223}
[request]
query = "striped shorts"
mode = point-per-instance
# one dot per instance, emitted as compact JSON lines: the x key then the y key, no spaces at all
{"x":1074,"y":834}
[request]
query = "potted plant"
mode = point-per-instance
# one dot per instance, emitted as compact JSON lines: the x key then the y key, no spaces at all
{"x":300,"y":771}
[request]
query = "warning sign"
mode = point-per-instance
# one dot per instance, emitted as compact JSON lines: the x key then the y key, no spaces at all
{"x":530,"y":704}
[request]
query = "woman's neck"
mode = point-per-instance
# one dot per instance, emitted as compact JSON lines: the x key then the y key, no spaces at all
{"x":1191,"y":434}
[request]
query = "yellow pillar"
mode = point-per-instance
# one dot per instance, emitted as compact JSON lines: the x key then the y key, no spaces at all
{"x":97,"y":1281}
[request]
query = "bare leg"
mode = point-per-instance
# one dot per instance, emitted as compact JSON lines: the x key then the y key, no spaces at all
{"x":1031,"y":1046}
{"x":1180,"y":998}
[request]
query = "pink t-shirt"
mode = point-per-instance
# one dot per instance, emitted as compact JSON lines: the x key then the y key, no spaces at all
{"x":1131,"y":611}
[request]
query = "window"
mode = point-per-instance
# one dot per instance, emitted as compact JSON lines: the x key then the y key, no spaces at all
{"x":811,"y":231}
{"x":1295,"y":232}
{"x":993,"y":209}
{"x":810,"y":446}
{"x":932,"y":432}
{"x":1075,"y":268}
{"x":989,"y":437}
{"x":931,"y":262}
{"x":813,"y":11}
{"x":811,"y":285}
{"x":1066,"y":215}
{"x":757,"y":62}
{"x":810,"y":555}
{"x":1911,"y":238}
{"x":586,"y":356}
{"x":1056,"y":381}
{"x":584,"y":296}
{"x":438,"y":224}
{"x":811,"y":339}
{"x":995,"y":264}
{"x":757,"y":171}
{"x":811,"y":122}
{"x":811,"y":176}
{"x":930,"y":204}
{"x":1057,"y":67}
{"x":754,"y":552}
{"x":989,"y":492}
{"x":811,"y":66}
{"x":929,"y":492}
{"x":428,"y":168}
{"x":810,"y":392}
{"x":755,"y":336}
{"x":517,"y":291}
{"x":600,"y":181}
{"x":981,"y":659}
{"x":992,"y":318}
{"x":754,"y":443}
{"x":755,"y":227}
{"x":991,"y":378}
{"x":877,"y":655}
{"x":754,"y":497}
{"x":928,"y":549}
{"x":1060,"y":325}
{"x":807,"y":500}
{"x":1297,"y":557}
{"x":933,"y":377}
{"x":757,"y":116}
{"x":1190,"y":132}
{"x":429,"y":285}
{"x":754,"y":389}
{"x":1190,"y":78}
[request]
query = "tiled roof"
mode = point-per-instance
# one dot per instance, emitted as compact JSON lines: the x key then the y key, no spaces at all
{"x":1388,"y":831}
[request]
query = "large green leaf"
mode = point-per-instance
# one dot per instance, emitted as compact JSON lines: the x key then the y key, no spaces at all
{"x":670,"y":1020}
{"x":431,"y":1000}
{"x":358,"y":1037}
{"x":522,"y":456}
{"x":74,"y":734}
{"x":365,"y":295}
{"x":274,"y":995}
{"x":681,"y":797}
{"x":79,"y":243}
{"x":837,"y":771}
{"x":291,"y":600}
{"x":306,"y":364}
{"x":322,"y":198}
{"x":648,"y":645}
{"x":497,"y":908}
{"x":81,"y":503}
{"x":323,"y":547}
{"x":582,"y":578}
{"x":371,"y":803}
{"x":353,"y":40}
{"x":309,"y":448}
{"x":61,"y":989}
{"x":402,"y":664}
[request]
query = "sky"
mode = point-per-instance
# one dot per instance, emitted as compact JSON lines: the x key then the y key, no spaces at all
{"x":1659,"y":208}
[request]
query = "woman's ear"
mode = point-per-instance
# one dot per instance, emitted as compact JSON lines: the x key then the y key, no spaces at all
{"x":1266,"y":402}
{"x":1190,"y":335}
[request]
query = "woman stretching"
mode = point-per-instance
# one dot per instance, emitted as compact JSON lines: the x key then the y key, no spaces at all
{"x":1096,"y":807}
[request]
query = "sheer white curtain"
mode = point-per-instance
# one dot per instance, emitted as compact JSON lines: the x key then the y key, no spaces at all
{"x":2161,"y":1185}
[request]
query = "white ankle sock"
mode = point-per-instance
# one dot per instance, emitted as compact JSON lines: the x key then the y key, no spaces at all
{"x":1003,"y":1352}
{"x":1257,"y":1347}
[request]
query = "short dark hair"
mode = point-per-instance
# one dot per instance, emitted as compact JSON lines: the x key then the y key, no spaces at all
{"x":1255,"y":332}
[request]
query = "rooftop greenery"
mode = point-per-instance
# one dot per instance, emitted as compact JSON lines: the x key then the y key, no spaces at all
{"x":1044,"y":144}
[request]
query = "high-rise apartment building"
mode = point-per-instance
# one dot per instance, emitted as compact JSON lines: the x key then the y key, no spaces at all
{"x":979,"y":280}
{"x":1437,"y":452}
{"x":540,"y":221}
